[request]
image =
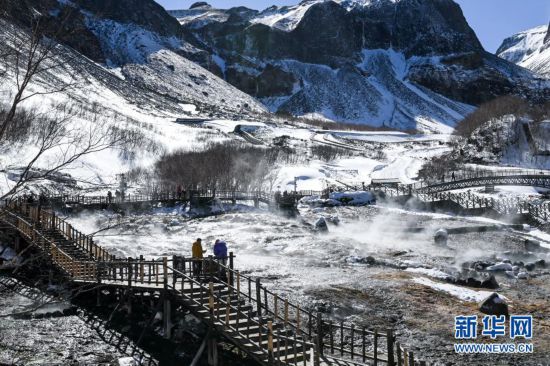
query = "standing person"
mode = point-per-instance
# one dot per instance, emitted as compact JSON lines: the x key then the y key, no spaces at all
{"x":109,"y":197}
{"x":178,"y":192}
{"x":198,"y":254}
{"x":220,"y":252}
{"x":453,"y":176}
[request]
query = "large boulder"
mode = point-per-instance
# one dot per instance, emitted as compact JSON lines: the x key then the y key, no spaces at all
{"x":490,"y":282}
{"x":321,"y":225}
{"x":441,"y":237}
{"x":532,"y":245}
{"x":501,"y":267}
{"x":494,"y":305}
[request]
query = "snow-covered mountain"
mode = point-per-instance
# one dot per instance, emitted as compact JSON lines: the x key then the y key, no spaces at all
{"x":529,"y":49}
{"x":139,"y":54}
{"x":407,"y":64}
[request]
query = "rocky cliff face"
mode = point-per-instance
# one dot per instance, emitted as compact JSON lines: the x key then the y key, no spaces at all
{"x":397,"y":63}
{"x":140,"y":52}
{"x":529,"y":49}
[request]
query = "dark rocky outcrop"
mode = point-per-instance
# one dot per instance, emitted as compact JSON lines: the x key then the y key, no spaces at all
{"x":67,"y":21}
{"x":144,"y":13}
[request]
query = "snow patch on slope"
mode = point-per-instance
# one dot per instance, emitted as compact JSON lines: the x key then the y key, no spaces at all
{"x":374,"y":92}
{"x":462,"y":293}
{"x":285,"y":18}
{"x":199,"y":17}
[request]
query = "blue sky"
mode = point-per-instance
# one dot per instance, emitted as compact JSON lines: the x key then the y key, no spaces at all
{"x":492,"y":20}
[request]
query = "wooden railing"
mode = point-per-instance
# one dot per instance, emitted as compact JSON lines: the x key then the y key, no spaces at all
{"x":217,"y":302}
{"x":85,"y":270}
{"x":50,"y":221}
{"x":331,"y":339}
{"x":469,"y":200}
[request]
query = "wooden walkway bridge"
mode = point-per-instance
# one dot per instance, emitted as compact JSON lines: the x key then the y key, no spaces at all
{"x":194,"y":197}
{"x":460,"y":182}
{"x":237,"y":309}
{"x":537,"y":210}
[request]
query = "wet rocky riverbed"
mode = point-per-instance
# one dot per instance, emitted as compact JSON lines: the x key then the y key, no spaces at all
{"x":51,"y":339}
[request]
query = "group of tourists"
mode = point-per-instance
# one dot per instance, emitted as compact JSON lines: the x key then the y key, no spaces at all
{"x":180,"y":193}
{"x":119,"y":196}
{"x":220,"y":254}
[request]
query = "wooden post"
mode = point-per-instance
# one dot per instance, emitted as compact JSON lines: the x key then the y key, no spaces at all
{"x":258,"y":297}
{"x":319,"y":332}
{"x":238,"y":284}
{"x":228,"y":310}
{"x":129,"y":272}
{"x":141,"y":268}
{"x":375,"y":347}
{"x":211,"y":297}
{"x":231,"y":269}
{"x":210,"y":268}
{"x":316,"y":352}
{"x":212,"y":351}
{"x":352,"y":339}
{"x":399,"y":359}
{"x":341,"y":338}
{"x":298,"y":317}
{"x":390,"y":339}
{"x":286,"y":312}
{"x":363,"y":348}
{"x":266,"y":303}
{"x":167,"y":318}
{"x":275,"y":307}
{"x":270,"y":340}
{"x":165,"y":271}
{"x":174,"y":267}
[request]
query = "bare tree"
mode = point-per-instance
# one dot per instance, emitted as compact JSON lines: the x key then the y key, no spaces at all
{"x":64,"y":142}
{"x":29,"y":54}
{"x":32,"y":53}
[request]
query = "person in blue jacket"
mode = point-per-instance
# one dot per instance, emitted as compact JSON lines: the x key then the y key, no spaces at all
{"x":220,"y":250}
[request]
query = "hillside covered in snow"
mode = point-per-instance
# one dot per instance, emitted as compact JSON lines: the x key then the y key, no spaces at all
{"x":529,"y":49}
{"x":506,"y":132}
{"x":138,"y":54}
{"x":401,"y":64}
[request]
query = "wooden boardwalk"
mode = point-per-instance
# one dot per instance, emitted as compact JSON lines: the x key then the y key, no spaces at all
{"x":505,"y":206}
{"x":537,"y":210}
{"x":465,"y":182}
{"x":236,"y":308}
{"x":194,"y":197}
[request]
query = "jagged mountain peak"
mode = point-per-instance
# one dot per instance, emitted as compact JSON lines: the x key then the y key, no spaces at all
{"x":529,"y":49}
{"x":200,"y":5}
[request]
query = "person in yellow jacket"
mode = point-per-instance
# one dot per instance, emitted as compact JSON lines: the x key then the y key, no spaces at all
{"x":198,"y":254}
